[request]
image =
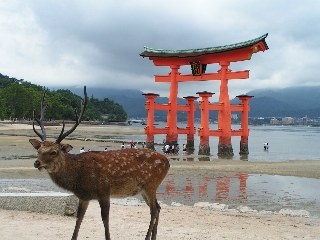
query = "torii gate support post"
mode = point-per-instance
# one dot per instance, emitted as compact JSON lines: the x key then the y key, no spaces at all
{"x":244,"y":148}
{"x":172,"y":135}
{"x":224,"y":115}
{"x":149,"y":129}
{"x":190,"y":124}
{"x":204,"y":147}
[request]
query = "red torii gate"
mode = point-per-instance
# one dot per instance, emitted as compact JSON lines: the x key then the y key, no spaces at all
{"x":198,"y":59}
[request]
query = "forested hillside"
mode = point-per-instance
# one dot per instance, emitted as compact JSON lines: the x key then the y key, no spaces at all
{"x":18,"y":99}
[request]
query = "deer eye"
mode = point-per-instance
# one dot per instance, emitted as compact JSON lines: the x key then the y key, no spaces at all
{"x":53,"y":153}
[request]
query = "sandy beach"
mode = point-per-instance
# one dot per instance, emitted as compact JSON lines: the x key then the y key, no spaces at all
{"x":131,"y":222}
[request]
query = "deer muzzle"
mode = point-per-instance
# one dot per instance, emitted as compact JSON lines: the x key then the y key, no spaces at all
{"x":36,"y":164}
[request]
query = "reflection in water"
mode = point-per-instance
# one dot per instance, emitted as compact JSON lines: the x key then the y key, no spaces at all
{"x":230,"y":157}
{"x":260,"y":192}
{"x":212,"y":189}
{"x":204,"y":158}
{"x":244,"y":157}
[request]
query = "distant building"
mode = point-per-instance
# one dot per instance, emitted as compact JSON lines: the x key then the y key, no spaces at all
{"x":287,"y":121}
{"x":274,"y":121}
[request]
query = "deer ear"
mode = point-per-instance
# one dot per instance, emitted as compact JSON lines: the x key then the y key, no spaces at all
{"x":35,"y":143}
{"x":66,"y":147}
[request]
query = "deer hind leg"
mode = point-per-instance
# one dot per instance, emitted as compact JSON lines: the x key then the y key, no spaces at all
{"x":82,"y":208}
{"x":105,"y":208}
{"x":151,"y":201}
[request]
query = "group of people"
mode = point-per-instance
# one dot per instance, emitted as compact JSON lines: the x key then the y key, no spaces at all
{"x":266,"y":146}
{"x":82,"y":150}
{"x":132,"y":145}
{"x":171,"y":149}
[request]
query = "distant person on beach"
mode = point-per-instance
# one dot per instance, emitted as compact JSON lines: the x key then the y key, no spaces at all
{"x":167,"y":149}
{"x":265,"y":146}
{"x":177,"y":149}
{"x":143,"y":144}
{"x":172,"y":149}
{"x":184,"y":149}
{"x":82,"y":150}
{"x":123,"y":146}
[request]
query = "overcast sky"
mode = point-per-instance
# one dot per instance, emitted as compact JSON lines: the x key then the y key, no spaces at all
{"x":97,"y":43}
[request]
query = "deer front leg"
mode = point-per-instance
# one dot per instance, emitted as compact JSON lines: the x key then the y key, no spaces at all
{"x":82,"y":208}
{"x":105,"y":208}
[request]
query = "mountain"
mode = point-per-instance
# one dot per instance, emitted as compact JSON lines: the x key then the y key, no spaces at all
{"x":131,"y":100}
{"x":298,"y":97}
{"x":285,"y":102}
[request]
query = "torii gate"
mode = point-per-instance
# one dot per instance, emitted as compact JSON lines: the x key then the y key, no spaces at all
{"x":198,"y":60}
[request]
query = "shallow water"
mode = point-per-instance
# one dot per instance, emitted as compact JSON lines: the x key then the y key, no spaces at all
{"x":260,"y":192}
{"x":285,"y":142}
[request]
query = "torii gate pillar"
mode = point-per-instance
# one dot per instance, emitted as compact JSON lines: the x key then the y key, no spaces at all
{"x":244,"y":149}
{"x":172,"y":135}
{"x":150,"y":129}
{"x":224,"y":115}
{"x":204,"y":147}
{"x":190,"y":125}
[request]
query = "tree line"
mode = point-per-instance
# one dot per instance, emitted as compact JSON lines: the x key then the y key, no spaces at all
{"x":19,"y":98}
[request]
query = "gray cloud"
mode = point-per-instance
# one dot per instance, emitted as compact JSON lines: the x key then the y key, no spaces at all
{"x":98,"y":43}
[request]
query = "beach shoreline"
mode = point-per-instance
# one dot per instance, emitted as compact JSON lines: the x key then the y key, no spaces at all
{"x":130,"y":222}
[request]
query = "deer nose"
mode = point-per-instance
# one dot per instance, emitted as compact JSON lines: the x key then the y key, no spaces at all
{"x":36,"y":164}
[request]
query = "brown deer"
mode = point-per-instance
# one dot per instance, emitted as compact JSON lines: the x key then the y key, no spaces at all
{"x":101,"y":175}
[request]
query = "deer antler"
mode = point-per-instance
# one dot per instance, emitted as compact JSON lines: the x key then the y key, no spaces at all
{"x":78,"y":120}
{"x":40,"y":121}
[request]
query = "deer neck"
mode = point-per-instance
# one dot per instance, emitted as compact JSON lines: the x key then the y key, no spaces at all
{"x":65,"y":171}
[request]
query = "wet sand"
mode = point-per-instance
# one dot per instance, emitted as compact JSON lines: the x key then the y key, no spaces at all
{"x":130,"y":222}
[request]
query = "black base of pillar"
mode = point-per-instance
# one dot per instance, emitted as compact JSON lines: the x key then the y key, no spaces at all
{"x":204,"y":149}
{"x":190,"y":147}
{"x":244,"y":149}
{"x":150,"y":145}
{"x":225,"y":150}
{"x":190,"y":144}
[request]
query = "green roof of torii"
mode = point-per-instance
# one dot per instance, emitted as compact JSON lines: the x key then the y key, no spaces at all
{"x":151,"y":52}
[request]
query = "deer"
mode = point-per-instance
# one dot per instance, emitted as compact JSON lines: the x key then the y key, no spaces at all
{"x":101,"y":175}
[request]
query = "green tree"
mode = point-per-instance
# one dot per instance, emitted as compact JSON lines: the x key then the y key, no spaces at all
{"x":19,"y":98}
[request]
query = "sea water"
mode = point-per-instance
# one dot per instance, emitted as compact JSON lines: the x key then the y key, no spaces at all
{"x":285,"y":142}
